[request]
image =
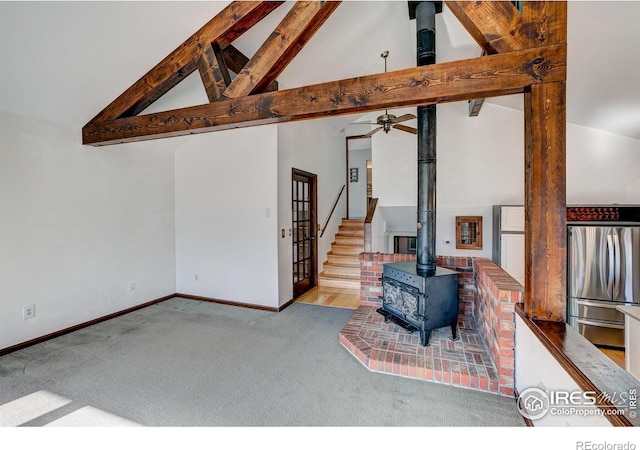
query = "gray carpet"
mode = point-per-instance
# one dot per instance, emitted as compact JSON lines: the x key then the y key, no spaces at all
{"x":190,"y":363}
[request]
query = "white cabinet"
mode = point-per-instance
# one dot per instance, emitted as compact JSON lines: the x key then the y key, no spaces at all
{"x":508,"y":239}
{"x":631,"y":338}
{"x":512,"y":255}
{"x":512,"y":219}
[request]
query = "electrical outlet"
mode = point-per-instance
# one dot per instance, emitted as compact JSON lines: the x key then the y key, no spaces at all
{"x":196,"y":277}
{"x":28,"y":312}
{"x":132,"y":286}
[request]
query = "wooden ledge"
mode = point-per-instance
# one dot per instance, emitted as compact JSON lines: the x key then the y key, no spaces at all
{"x":587,"y":366}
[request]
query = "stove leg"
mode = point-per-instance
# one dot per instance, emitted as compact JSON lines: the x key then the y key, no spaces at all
{"x":454,"y":330}
{"x":424,"y":337}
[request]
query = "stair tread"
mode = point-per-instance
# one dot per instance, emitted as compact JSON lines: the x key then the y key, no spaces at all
{"x":355,"y":257}
{"x":343,"y":264}
{"x":335,"y":269}
{"x":340,"y":284}
{"x":340,"y":277}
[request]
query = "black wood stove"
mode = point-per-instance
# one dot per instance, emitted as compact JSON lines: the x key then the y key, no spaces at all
{"x":417,"y":302}
{"x":421,"y":296}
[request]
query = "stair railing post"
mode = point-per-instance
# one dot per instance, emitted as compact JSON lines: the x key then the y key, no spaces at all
{"x":368,"y":246}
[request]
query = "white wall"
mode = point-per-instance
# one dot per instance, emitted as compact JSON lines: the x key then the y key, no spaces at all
{"x":537,"y":368}
{"x":394,"y":166}
{"x":601,"y":167}
{"x":78,"y":225}
{"x":358,"y":189}
{"x":313,"y":146}
{"x":226,"y":216}
{"x":476,"y":170}
{"x":480,"y":163}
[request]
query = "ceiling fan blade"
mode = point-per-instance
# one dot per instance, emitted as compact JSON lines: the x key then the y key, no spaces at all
{"x":404,"y":117}
{"x":362,"y":123}
{"x":372,"y":132}
{"x":406,"y":128}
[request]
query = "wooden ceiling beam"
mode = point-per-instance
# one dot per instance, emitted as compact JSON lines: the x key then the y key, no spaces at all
{"x":236,"y":60}
{"x":295,"y":30}
{"x":469,"y":79}
{"x":545,"y":22}
{"x":495,"y":25}
{"x":223,"y":29}
{"x":213,"y":72}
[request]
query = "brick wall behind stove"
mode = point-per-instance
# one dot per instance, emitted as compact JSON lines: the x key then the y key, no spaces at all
{"x":371,"y":272}
{"x":486,"y":293}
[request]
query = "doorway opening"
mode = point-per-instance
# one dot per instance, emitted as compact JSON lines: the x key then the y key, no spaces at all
{"x":359,"y":175}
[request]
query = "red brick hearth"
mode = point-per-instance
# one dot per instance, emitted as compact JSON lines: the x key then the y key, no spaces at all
{"x":483,"y":357}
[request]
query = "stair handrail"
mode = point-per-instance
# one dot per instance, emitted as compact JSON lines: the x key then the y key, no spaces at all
{"x":371,"y":210}
{"x":326,"y":222}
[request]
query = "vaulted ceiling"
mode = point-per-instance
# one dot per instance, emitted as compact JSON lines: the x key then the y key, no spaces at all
{"x":94,"y":50}
{"x":520,"y":49}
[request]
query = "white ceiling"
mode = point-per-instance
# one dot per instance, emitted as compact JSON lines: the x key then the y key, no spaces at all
{"x":65,"y":61}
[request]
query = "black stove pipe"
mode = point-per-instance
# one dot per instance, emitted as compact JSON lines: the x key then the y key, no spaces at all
{"x":426,"y":228}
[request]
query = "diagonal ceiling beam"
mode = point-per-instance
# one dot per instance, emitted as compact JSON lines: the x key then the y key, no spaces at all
{"x":295,"y":30}
{"x":469,"y":79}
{"x":236,"y":60}
{"x":223,"y":29}
{"x":213,"y":72}
{"x":495,"y":25}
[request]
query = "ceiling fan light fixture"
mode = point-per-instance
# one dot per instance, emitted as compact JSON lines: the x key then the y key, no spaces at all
{"x":388,"y":121}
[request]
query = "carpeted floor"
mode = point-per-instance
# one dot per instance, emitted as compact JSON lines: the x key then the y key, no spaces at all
{"x":188,"y":363}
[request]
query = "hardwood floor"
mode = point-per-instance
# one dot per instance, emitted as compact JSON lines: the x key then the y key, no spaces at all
{"x":617,"y":356}
{"x":330,"y":296}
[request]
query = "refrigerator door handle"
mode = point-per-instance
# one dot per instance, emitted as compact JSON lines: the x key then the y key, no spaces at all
{"x":617,"y":265}
{"x":600,"y":324}
{"x":611,"y":256}
{"x":598,"y":304}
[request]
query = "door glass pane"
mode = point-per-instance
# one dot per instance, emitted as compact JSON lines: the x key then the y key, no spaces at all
{"x":302,"y":211}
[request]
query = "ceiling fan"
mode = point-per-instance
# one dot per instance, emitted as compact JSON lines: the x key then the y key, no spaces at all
{"x":388,"y":121}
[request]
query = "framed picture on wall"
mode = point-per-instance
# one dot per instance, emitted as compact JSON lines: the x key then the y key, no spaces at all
{"x":353,"y":174}
{"x":469,"y":232}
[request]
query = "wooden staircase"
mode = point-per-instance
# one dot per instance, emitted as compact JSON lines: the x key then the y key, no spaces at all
{"x":342,"y":268}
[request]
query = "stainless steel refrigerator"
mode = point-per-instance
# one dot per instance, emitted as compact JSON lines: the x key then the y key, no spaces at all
{"x":603,"y":272}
